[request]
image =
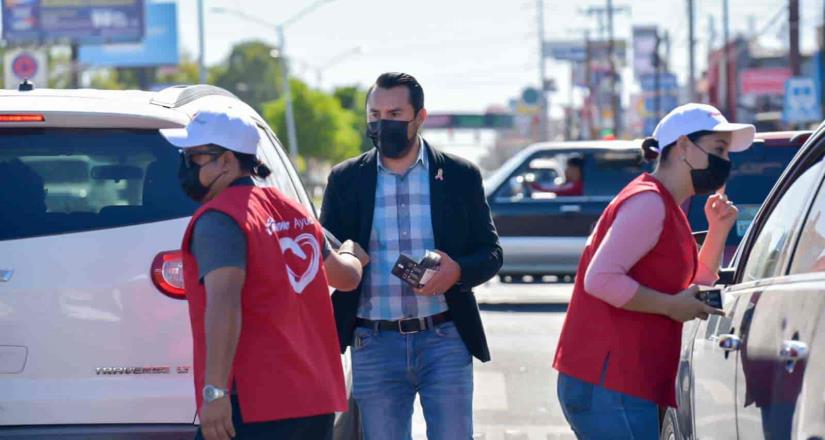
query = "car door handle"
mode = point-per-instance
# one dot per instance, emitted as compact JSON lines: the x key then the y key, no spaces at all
{"x":571,"y":208}
{"x":793,"y":352}
{"x":728,"y":343}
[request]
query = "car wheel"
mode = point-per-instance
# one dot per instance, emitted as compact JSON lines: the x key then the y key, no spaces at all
{"x":670,"y":428}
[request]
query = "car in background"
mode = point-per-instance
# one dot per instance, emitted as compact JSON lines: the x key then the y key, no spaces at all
{"x":95,"y":339}
{"x":753,"y":174}
{"x":543,"y":234}
{"x":757,"y":372}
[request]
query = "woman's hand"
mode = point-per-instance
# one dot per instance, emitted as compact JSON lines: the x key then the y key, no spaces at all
{"x":721,"y":212}
{"x":684,"y":306}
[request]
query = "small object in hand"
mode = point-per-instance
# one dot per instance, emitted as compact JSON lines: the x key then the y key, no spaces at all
{"x":712,"y":298}
{"x":417,"y":274}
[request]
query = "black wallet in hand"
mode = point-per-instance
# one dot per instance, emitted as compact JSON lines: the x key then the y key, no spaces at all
{"x":417,"y":274}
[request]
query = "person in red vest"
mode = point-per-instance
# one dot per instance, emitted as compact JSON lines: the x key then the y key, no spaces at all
{"x":256,"y":268}
{"x":618,"y":352}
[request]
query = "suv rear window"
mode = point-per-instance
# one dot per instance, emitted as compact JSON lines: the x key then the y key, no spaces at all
{"x":56,"y":181}
{"x":753,"y":174}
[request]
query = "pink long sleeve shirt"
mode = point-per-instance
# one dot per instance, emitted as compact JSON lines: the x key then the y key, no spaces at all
{"x":634,"y":233}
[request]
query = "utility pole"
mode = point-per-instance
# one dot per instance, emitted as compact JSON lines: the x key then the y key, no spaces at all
{"x":617,"y":99}
{"x":588,"y":71}
{"x":291,"y":132}
{"x":543,"y":122}
{"x":657,"y":75}
{"x":692,"y":51}
{"x":723,"y":70}
{"x":793,"y":29}
{"x":201,"y":45}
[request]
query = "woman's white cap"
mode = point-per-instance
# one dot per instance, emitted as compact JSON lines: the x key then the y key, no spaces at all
{"x":690,"y":118}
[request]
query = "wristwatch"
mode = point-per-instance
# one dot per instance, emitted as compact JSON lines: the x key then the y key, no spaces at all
{"x":212,"y":393}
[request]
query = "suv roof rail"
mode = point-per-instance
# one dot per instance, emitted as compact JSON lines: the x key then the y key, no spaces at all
{"x":177,"y":96}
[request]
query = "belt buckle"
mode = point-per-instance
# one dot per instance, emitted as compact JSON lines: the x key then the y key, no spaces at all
{"x":401,"y":326}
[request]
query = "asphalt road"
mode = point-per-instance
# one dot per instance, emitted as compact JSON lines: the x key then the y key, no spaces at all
{"x":515,"y":393}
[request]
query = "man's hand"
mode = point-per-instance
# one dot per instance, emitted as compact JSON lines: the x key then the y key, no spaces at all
{"x":448,"y":275}
{"x":353,"y":248}
{"x":216,"y":420}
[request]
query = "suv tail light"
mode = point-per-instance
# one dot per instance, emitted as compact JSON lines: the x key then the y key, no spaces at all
{"x":22,"y":118}
{"x":167,"y":274}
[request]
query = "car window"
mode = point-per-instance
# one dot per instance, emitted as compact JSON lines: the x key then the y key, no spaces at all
{"x":57,"y":181}
{"x":810,"y":251}
{"x":607,"y":172}
{"x":535,"y":178}
{"x":771,"y":248}
{"x":754,"y":172}
{"x":280,"y":176}
{"x":285,"y":179}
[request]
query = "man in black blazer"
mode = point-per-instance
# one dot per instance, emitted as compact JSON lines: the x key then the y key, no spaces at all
{"x":406,"y":197}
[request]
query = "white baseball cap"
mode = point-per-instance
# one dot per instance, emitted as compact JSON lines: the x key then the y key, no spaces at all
{"x":225,"y":127}
{"x":690,"y":118}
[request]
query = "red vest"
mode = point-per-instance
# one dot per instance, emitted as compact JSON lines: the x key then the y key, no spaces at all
{"x":643,"y":349}
{"x":286,"y":363}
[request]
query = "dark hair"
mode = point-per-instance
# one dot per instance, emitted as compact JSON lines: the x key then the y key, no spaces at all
{"x":249,"y":162}
{"x":252,"y":165}
{"x":576,"y":161}
{"x":652,"y":151}
{"x":390,"y":80}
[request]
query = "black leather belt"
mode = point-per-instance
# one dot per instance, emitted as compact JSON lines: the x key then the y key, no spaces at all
{"x":406,"y":326}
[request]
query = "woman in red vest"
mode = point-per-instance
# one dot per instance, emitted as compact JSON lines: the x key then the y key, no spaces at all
{"x":618,"y":353}
{"x":256,"y":268}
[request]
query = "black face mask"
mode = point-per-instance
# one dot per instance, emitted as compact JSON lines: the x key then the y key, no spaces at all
{"x":710,"y":179}
{"x":390,"y":137}
{"x":189,"y":178}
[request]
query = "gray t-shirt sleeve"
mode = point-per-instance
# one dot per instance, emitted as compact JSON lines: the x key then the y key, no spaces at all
{"x":218,"y":241}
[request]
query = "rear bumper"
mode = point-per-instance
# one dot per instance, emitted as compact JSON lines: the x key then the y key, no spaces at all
{"x":541,"y":255}
{"x":100,"y":432}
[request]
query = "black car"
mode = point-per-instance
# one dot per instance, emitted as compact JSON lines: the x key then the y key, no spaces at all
{"x":543,"y":234}
{"x":758,"y":372}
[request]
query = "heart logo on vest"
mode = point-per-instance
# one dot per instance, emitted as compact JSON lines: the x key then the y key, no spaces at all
{"x":300,"y":279}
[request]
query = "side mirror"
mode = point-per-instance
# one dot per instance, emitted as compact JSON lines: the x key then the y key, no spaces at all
{"x":727,"y":276}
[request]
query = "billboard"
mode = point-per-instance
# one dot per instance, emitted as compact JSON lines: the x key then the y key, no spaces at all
{"x":764,"y":80}
{"x":79,"y":21}
{"x":158,"y":48}
{"x":644,"y":48}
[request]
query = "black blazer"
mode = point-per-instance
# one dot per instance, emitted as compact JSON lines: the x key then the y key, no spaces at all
{"x":462,"y":228}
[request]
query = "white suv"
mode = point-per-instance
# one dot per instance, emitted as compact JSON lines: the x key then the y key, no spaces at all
{"x":94,"y":330}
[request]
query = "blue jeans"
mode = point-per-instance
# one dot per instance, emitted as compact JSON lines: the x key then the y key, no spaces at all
{"x":594,"y":412}
{"x":389,"y":368}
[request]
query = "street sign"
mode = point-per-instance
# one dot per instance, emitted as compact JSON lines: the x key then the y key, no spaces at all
{"x":469,"y":121}
{"x":667,"y":81}
{"x":801,"y":101}
{"x":576,"y":51}
{"x":158,"y":48}
{"x":530,"y":96}
{"x":87,"y":21}
{"x":20,"y":64}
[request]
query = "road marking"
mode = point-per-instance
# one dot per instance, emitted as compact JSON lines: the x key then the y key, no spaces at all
{"x":493,"y":395}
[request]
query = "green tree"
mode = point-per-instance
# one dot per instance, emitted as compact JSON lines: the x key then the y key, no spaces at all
{"x":324,"y":128}
{"x":186,"y":72}
{"x":354,"y":99}
{"x":251,"y":73}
